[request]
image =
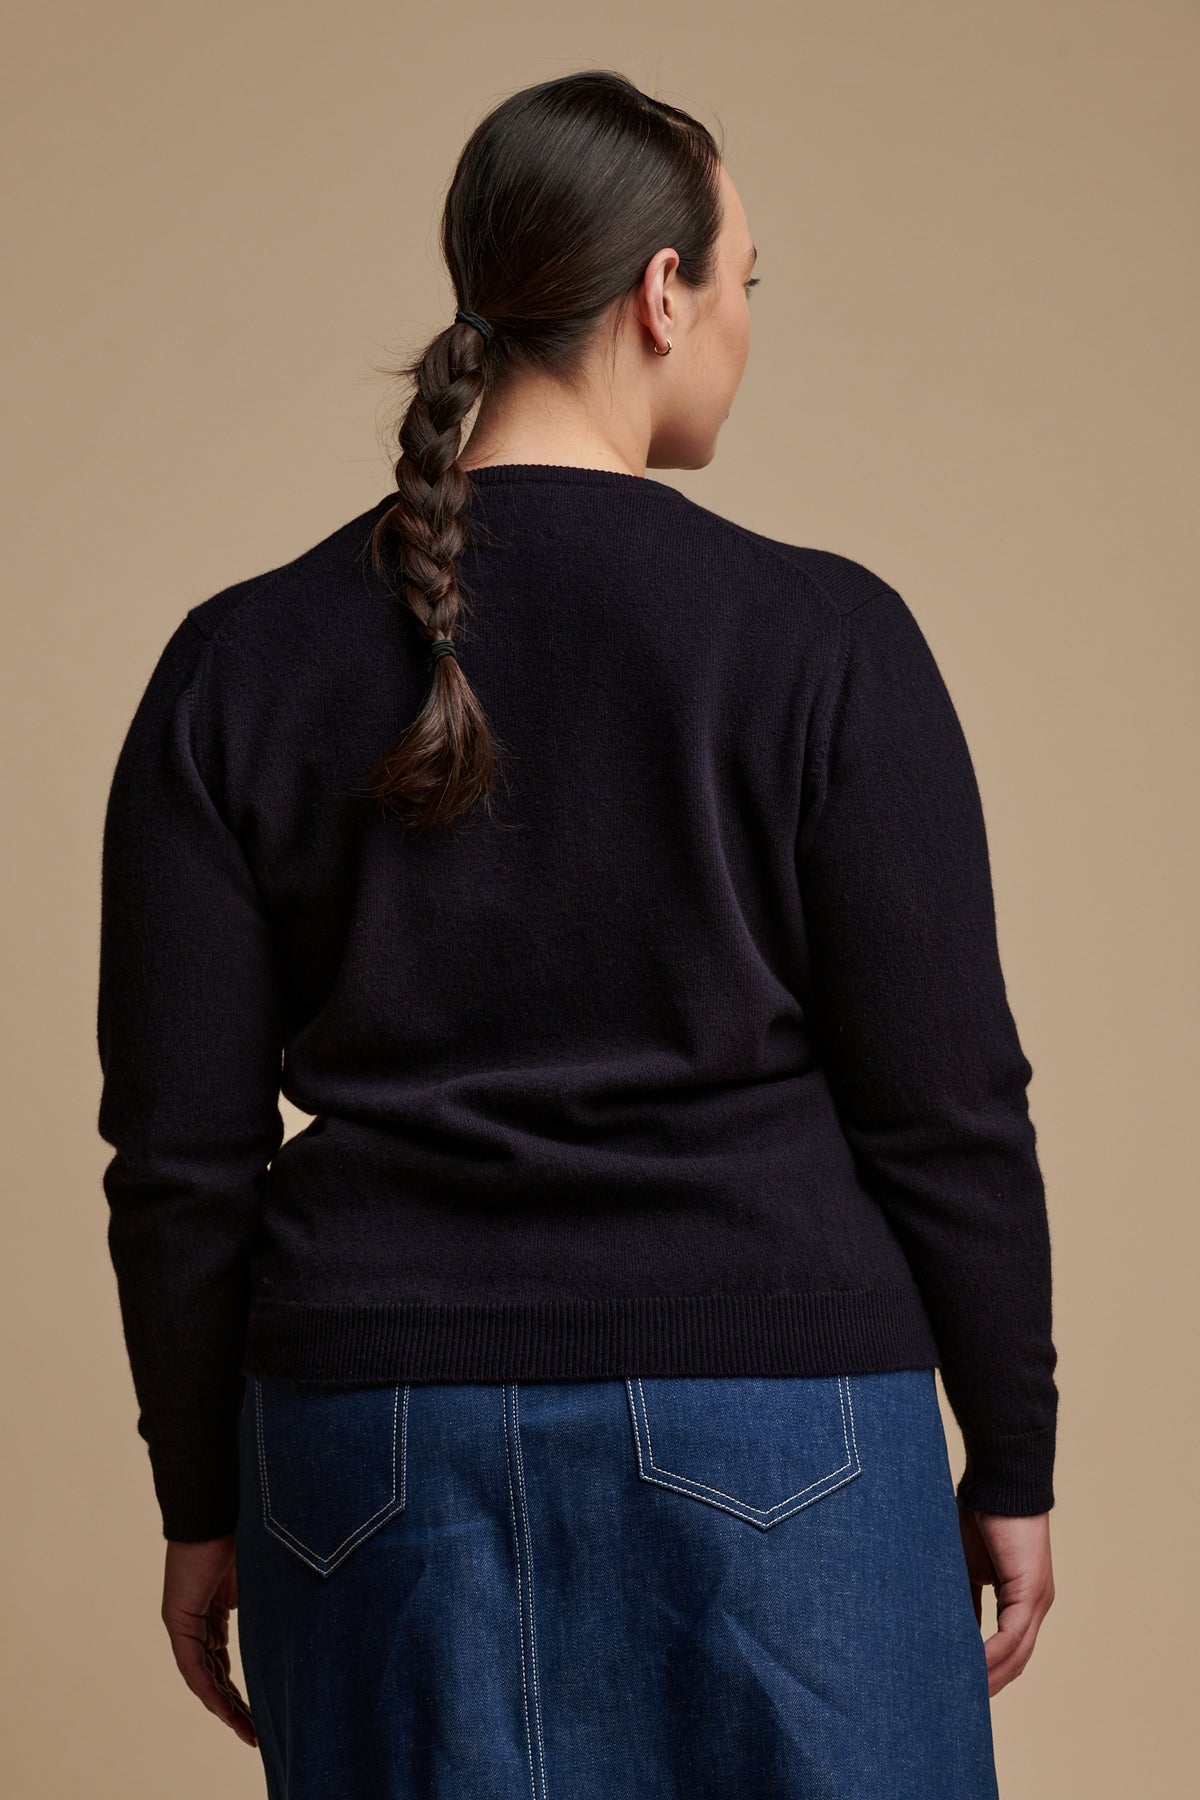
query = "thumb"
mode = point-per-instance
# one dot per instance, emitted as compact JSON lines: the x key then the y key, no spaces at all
{"x":981,"y":1571}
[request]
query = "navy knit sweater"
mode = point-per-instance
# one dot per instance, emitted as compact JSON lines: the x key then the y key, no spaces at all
{"x":695,"y":1059}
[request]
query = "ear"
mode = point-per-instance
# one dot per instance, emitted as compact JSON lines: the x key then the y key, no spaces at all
{"x":657,"y":308}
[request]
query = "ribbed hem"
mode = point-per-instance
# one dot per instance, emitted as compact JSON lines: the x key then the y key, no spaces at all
{"x":1010,"y":1475}
{"x":842,"y":1331}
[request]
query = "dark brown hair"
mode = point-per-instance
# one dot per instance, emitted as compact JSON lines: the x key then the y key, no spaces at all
{"x":560,"y":198}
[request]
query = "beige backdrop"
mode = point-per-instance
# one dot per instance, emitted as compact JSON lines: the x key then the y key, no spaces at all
{"x":973,"y":368}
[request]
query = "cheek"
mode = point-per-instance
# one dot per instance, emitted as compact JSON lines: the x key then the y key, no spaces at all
{"x":740,"y":333}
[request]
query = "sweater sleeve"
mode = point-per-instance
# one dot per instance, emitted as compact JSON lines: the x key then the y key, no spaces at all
{"x":188,"y":1027}
{"x":922,"y":1054}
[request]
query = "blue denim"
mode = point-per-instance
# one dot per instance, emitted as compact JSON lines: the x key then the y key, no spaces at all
{"x":609,"y":1590}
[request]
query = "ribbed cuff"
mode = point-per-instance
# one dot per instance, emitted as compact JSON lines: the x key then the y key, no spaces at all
{"x":198,"y":1499}
{"x":1009,"y":1475}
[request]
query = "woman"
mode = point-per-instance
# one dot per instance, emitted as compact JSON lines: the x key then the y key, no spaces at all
{"x":610,"y":883}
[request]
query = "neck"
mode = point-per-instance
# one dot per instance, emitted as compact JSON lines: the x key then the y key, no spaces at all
{"x":537,"y":421}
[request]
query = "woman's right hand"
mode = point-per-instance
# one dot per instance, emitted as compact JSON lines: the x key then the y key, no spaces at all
{"x":1011,"y":1555}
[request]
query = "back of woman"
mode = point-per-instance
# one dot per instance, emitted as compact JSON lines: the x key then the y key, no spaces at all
{"x":610,"y":884}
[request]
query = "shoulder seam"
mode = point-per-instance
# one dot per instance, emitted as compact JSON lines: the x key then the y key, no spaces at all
{"x":252,"y":589}
{"x":880,"y":593}
{"x":755,"y":539}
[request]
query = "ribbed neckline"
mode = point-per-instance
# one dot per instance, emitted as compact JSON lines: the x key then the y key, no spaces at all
{"x":570,"y":473}
{"x":556,"y":474}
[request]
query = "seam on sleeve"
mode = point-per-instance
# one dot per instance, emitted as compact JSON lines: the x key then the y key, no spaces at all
{"x":190,"y":697}
{"x":194,"y":696}
{"x":830,"y":681}
{"x":826,"y":689}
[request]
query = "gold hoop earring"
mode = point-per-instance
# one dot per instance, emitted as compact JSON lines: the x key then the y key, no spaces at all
{"x":659,"y":352}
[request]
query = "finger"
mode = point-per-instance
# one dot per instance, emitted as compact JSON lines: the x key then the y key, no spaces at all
{"x":239,"y":1716}
{"x":1011,"y":1644}
{"x":205,"y":1668}
{"x":235,"y":1712}
{"x":217,"y":1690}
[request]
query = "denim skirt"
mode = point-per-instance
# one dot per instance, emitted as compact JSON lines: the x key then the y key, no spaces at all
{"x":638,"y":1589}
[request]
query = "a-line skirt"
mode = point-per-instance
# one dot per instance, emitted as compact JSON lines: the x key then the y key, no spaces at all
{"x":642,"y":1589}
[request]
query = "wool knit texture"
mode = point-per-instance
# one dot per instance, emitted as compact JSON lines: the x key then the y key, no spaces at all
{"x":695,"y":1058}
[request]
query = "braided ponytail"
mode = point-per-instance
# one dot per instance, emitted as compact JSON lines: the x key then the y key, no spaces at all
{"x":561,"y":196}
{"x":447,"y":758}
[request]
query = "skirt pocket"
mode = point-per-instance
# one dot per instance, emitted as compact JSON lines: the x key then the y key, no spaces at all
{"x":331,"y":1464}
{"x":760,"y":1447}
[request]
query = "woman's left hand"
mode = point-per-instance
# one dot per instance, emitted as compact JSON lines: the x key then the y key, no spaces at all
{"x":199,"y":1593}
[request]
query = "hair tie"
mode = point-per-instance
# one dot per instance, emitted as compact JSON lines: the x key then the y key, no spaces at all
{"x":443,"y":647}
{"x":470,"y":318}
